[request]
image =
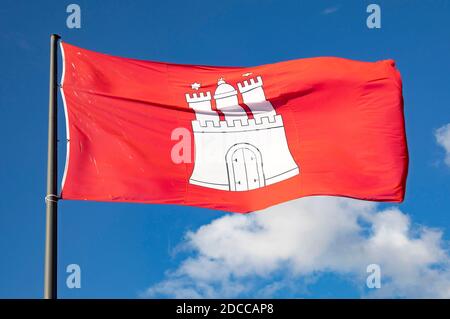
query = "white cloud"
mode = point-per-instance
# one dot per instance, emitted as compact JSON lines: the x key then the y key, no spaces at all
{"x":286,"y":247}
{"x":442,"y":135}
{"x":330,"y":10}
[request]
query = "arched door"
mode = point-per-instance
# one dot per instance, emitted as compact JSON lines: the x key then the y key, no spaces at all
{"x":245,"y":169}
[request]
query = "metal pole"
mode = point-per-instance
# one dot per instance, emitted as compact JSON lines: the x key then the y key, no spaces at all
{"x":51,"y":234}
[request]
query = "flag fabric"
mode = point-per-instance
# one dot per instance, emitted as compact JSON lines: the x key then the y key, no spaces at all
{"x":236,"y":139}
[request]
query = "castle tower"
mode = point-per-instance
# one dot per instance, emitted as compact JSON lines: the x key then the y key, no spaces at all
{"x":239,"y":154}
{"x":201,"y":104}
{"x":253,"y":96}
{"x":227,"y":102}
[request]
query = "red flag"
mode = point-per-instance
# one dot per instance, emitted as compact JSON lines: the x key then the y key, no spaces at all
{"x":232,"y":138}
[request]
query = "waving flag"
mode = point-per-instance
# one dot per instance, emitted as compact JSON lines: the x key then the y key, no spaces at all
{"x":231,"y":138}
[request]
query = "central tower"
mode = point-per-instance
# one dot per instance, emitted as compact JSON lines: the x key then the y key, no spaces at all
{"x":227,"y":102}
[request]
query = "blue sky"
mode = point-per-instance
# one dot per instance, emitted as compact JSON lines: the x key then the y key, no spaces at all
{"x":133,"y":250}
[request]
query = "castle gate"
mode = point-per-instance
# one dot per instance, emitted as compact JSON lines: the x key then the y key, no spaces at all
{"x":245,"y":167}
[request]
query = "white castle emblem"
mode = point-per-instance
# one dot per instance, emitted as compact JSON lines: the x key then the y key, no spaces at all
{"x":239,"y":153}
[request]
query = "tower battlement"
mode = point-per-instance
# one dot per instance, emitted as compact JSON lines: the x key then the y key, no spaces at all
{"x":198,"y":97}
{"x":237,"y":125}
{"x":246,"y":86}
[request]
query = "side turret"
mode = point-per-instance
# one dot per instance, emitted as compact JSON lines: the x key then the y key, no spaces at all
{"x":201,"y":104}
{"x":253,"y":96}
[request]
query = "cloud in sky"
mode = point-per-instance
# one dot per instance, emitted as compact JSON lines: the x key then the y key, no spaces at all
{"x":330,"y":10}
{"x":287,"y":247}
{"x":442,"y":135}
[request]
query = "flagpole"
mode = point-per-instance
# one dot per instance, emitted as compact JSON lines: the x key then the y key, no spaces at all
{"x":51,"y":200}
